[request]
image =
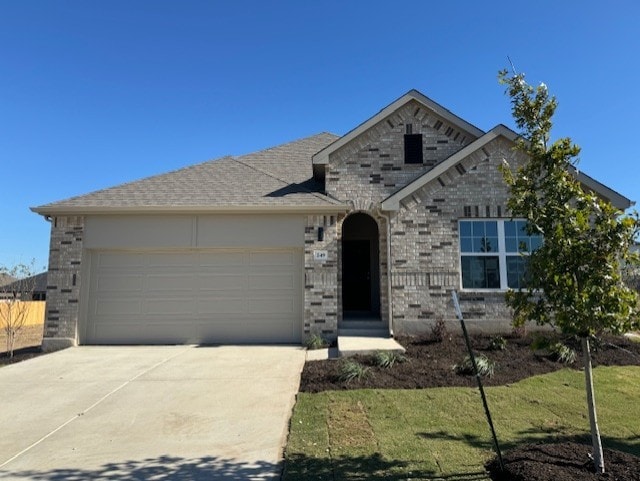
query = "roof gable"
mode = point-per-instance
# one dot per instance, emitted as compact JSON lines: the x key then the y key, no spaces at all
{"x":322,"y":157}
{"x":392,"y":202}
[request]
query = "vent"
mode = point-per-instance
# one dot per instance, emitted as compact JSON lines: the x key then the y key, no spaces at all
{"x":413,"y":148}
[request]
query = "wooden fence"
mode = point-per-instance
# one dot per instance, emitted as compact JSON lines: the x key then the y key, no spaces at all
{"x":35,"y":313}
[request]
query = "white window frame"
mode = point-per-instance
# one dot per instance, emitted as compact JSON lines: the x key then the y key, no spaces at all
{"x":501,"y":253}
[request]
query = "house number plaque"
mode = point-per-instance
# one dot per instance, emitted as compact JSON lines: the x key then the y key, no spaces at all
{"x":320,"y":256}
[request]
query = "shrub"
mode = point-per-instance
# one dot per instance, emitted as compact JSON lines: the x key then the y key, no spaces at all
{"x":387,"y":359}
{"x":314,"y":341}
{"x":439,"y":331}
{"x":350,"y":370}
{"x":497,"y":343}
{"x":554,"y":350}
{"x":562,"y":353}
{"x":485,"y":366}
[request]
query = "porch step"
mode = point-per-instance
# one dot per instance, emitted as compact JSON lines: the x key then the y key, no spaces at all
{"x":372,"y":324}
{"x":363,"y":332}
{"x":352,"y":345}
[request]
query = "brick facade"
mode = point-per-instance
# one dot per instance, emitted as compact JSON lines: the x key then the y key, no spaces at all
{"x":425,"y":260}
{"x":320,"y":277}
{"x":63,"y":282}
{"x":425,"y":243}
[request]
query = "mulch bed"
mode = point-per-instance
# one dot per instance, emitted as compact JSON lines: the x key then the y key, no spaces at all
{"x":430,"y":363}
{"x":563,"y":462}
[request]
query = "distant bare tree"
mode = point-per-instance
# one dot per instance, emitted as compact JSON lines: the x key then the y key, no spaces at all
{"x":14,"y":301}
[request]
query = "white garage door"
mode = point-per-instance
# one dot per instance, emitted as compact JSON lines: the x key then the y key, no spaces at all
{"x":219,"y":296}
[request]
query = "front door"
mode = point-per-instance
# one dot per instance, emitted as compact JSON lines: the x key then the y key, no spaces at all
{"x":360,"y":268}
{"x":356,"y":278}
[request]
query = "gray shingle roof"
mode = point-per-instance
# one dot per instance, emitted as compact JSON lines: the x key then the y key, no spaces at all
{"x":278,"y":177}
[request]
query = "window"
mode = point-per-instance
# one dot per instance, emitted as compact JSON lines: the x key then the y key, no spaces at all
{"x":493,"y":253}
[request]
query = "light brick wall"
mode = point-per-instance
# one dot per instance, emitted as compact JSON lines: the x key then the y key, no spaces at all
{"x":371,"y":167}
{"x":425,"y":245}
{"x":321,"y":278}
{"x":63,"y":282}
{"x":425,"y":264}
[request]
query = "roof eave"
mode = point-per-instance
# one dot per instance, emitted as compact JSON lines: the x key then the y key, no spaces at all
{"x":618,"y":200}
{"x":248,"y":209}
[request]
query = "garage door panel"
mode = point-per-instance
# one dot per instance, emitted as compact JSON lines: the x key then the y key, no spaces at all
{"x":274,"y":281}
{"x":115,"y":333}
{"x":167,"y":307}
{"x":120,"y":284}
{"x":115,"y":261}
{"x":168,"y":283}
{"x":222,"y":282}
{"x":227,"y":295}
{"x":219,"y":306}
{"x":118,"y":307}
{"x":272,"y":305}
{"x":167,"y":260}
{"x":245,"y":332}
{"x":272,"y":259}
{"x":222,"y":259}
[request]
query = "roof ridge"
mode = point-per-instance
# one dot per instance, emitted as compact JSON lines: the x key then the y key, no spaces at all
{"x":288,"y":143}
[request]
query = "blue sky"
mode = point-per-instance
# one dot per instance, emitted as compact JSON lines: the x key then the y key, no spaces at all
{"x":96,"y":93}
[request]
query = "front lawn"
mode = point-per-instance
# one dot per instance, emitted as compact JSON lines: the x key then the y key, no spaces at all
{"x":441,"y":433}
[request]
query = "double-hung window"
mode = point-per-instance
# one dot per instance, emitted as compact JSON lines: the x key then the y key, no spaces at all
{"x":493,"y":253}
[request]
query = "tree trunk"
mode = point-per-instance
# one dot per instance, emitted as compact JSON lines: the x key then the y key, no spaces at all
{"x":11,"y":339}
{"x":598,"y":459}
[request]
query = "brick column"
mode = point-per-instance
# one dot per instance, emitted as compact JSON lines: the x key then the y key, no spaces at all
{"x":63,"y":283}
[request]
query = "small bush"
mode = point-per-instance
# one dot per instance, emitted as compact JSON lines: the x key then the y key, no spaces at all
{"x":439,"y":331}
{"x":314,"y":341}
{"x":560,"y":352}
{"x":554,"y":350}
{"x":497,"y":343}
{"x":485,"y":366}
{"x":350,"y":370}
{"x":387,"y":359}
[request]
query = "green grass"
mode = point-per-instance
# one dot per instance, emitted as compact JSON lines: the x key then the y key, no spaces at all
{"x":442,"y":433}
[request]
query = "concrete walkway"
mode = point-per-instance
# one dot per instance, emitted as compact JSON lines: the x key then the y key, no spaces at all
{"x":157,"y":413}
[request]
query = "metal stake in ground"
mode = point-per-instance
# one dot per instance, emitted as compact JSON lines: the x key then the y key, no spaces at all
{"x":456,"y":306}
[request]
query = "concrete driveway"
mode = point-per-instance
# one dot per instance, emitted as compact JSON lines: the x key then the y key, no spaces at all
{"x":148,"y":413}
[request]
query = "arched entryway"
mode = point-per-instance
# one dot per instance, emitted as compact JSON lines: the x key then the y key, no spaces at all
{"x":360,"y":268}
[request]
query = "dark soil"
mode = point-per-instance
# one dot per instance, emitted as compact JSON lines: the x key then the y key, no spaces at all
{"x":20,"y":355}
{"x":563,"y":462}
{"x":430,"y":363}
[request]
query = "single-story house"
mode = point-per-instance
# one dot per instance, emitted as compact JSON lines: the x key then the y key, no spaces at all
{"x":32,"y":288}
{"x":369,"y":230}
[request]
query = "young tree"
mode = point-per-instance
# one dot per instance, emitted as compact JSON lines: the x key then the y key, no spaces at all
{"x":14,"y":302}
{"x":574,"y":279}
